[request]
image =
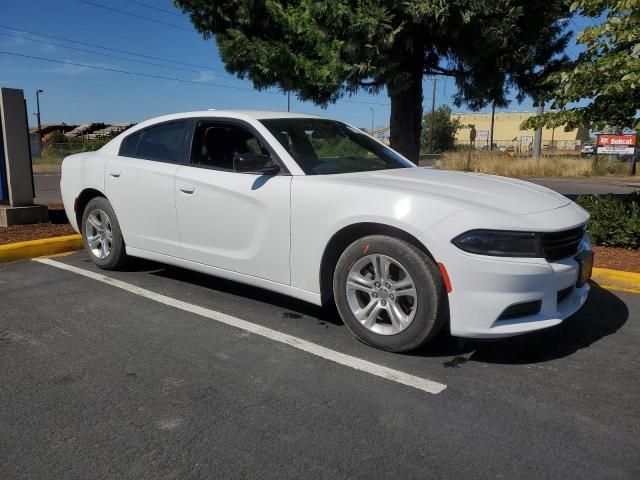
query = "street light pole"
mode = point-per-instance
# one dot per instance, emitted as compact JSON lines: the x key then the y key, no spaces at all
{"x":372,"y":114}
{"x":38,"y":92}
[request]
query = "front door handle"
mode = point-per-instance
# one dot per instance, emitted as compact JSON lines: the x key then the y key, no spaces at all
{"x":115,"y":173}
{"x":189,"y":189}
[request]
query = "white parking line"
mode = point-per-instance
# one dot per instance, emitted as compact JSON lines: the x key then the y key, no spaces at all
{"x":326,"y":353}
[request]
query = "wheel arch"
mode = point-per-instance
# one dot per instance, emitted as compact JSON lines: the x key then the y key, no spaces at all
{"x":82,"y":200}
{"x":345,"y":237}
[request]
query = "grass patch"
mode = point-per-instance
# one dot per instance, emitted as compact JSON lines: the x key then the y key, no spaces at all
{"x":46,"y":164}
{"x":506,"y":166}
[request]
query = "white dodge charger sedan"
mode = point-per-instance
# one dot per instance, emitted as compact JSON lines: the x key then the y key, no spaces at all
{"x":318,"y":210}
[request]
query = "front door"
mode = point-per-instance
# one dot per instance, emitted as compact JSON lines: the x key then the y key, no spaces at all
{"x":230,"y":220}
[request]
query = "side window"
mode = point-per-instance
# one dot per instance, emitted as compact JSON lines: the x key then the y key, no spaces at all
{"x":129,"y":145}
{"x":164,"y":143}
{"x":215,"y":144}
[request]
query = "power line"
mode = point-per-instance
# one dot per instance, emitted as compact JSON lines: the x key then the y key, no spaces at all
{"x":366,"y":103}
{"x":99,"y":53}
{"x":160,"y":77}
{"x":152,"y":7}
{"x":135,"y":15}
{"x":93,"y":45}
{"x":128,"y":72}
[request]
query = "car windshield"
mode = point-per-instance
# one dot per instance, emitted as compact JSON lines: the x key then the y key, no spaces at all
{"x":323,"y":147}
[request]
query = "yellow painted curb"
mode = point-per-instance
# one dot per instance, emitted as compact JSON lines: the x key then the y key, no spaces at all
{"x":617,"y":280}
{"x":40,"y":248}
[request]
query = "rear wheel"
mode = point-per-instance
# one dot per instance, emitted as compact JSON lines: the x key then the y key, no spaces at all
{"x":389,"y":293}
{"x":101,"y":233}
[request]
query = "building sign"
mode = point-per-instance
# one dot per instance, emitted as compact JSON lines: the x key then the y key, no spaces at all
{"x":616,"y":144}
{"x":526,"y":138}
{"x":483,"y":133}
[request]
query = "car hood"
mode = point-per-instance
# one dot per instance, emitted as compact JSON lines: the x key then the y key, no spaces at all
{"x":469,"y":190}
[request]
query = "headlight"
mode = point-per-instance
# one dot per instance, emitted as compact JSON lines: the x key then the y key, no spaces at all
{"x":501,"y":243}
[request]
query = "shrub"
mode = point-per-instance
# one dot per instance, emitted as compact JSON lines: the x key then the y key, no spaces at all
{"x":93,"y":145}
{"x":439,"y":131}
{"x":615,"y":222}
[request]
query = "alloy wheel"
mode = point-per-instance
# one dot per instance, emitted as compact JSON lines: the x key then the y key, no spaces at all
{"x":99,"y":233}
{"x":381,"y":294}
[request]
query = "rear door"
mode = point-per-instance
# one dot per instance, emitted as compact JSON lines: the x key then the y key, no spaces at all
{"x":140,"y":184}
{"x":231,"y":220}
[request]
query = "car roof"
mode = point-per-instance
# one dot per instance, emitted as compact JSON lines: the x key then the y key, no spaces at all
{"x":235,"y":113}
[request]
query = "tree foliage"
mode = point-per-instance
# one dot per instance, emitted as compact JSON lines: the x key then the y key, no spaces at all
{"x":606,"y":73}
{"x":439,"y":131}
{"x":323,"y":50}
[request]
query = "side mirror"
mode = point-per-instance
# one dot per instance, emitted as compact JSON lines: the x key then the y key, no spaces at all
{"x":254,"y":163}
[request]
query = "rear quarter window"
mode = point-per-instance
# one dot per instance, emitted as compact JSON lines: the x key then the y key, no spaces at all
{"x":164,"y":143}
{"x":129,"y":145}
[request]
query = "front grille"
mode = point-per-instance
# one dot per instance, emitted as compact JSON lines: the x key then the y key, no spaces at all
{"x":564,"y":244}
{"x":564,"y":293}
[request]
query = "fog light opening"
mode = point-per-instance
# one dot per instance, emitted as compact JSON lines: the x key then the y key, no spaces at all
{"x":523,"y":309}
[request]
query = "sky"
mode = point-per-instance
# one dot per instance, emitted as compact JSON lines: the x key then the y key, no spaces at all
{"x":77,"y":93}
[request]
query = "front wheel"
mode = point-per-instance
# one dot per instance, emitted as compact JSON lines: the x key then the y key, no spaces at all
{"x":102,"y":236}
{"x":389,"y":293}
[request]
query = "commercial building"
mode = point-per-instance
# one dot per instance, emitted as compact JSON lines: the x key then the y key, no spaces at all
{"x":507,"y":133}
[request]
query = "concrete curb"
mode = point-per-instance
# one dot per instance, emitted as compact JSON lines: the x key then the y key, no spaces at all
{"x":617,"y":280}
{"x":40,"y":248}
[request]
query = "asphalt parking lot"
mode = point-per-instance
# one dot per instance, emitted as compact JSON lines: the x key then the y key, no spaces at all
{"x":150,"y":373}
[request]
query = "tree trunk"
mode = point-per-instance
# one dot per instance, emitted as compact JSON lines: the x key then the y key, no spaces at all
{"x":406,"y":115}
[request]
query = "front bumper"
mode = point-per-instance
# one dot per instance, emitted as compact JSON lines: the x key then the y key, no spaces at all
{"x":483,"y":287}
{"x":487,"y":287}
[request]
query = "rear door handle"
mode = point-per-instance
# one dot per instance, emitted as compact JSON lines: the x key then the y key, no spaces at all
{"x":115,"y":173}
{"x":189,"y":189}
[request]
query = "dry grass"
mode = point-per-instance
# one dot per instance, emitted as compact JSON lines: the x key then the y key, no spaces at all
{"x":504,"y":165}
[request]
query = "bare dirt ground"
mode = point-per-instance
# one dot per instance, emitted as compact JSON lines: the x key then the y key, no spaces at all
{"x":22,"y":233}
{"x":617,"y":259}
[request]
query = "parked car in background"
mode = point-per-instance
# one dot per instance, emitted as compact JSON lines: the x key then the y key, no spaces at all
{"x":488,"y":148}
{"x":318,"y":210}
{"x":588,"y":149}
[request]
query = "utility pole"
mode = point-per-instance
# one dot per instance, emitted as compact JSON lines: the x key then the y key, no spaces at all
{"x":38,"y":92}
{"x":433,"y":112}
{"x":493,"y":118}
{"x":537,"y":139}
{"x":372,"y":116}
{"x":288,"y":101}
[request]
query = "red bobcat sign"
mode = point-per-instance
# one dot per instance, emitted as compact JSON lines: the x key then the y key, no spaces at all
{"x":616,"y":144}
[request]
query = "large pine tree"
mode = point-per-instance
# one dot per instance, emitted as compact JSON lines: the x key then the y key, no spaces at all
{"x":323,"y":50}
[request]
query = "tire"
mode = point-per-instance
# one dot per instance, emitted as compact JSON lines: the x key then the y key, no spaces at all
{"x":102,"y":235}
{"x":403,"y":319}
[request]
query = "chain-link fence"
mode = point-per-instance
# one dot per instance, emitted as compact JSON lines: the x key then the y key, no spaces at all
{"x":524,"y":146}
{"x":52,"y":154}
